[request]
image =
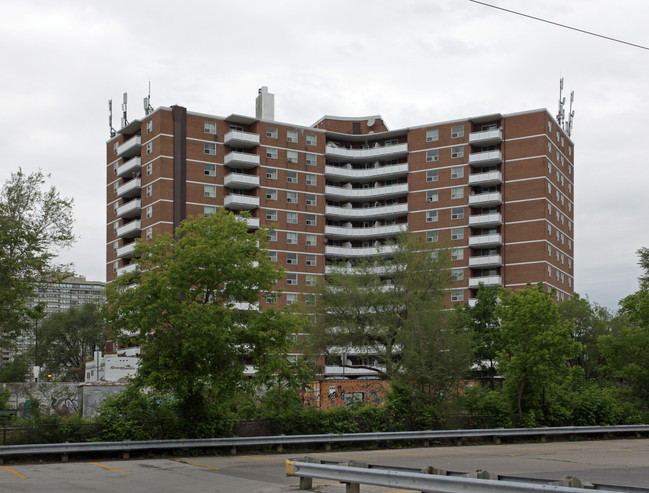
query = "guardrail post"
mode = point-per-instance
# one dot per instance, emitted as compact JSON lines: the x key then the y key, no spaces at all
{"x":64,"y":457}
{"x":574,"y":482}
{"x":497,"y":440}
{"x":233,"y":451}
{"x":280,"y":447}
{"x":355,"y":487}
{"x":125,"y":453}
{"x":433,"y":470}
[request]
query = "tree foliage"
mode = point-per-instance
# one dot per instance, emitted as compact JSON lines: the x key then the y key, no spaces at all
{"x":182,"y":305}
{"x":34,"y":223}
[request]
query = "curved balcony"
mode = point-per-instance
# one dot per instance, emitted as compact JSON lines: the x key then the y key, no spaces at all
{"x":485,"y":199}
{"x":487,"y":281}
{"x":132,"y":208}
{"x":130,"y":148}
{"x":237,"y":138}
{"x":360,"y":233}
{"x":351,"y":252}
{"x":130,"y":230}
{"x":486,"y":137}
{"x":240,"y":202}
{"x":130,"y":167}
{"x":486,"y":220}
{"x":126,"y":251}
{"x":482,"y":241}
{"x":130,"y":189}
{"x":486,"y":158}
{"x":126,"y":269}
{"x":486,"y":179}
{"x":334,"y":153}
{"x":384,"y":212}
{"x":241,"y":181}
{"x":343,"y":173}
{"x":485,"y":261}
{"x":342,"y":193}
{"x":241,"y":160}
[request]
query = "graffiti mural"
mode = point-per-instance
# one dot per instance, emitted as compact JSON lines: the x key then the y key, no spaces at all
{"x":45,"y":398}
{"x":335,"y":393}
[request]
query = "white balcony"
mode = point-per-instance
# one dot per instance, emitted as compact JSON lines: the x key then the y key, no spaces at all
{"x":237,"y":138}
{"x":485,"y":261}
{"x":380,"y":212}
{"x":482,"y":241}
{"x":132,"y":208}
{"x":359,"y":233}
{"x":486,"y":137}
{"x":126,"y":269}
{"x":253,"y":222}
{"x":473,"y":302}
{"x":130,"y":167}
{"x":241,"y":160}
{"x":486,"y":179}
{"x":486,"y":220}
{"x":239,"y":180}
{"x":126,"y":251}
{"x":130,"y":148}
{"x":234,"y":201}
{"x":374,"y":193}
{"x":382,"y":153}
{"x":487,"y":281}
{"x":350,"y":252}
{"x":130,"y":230}
{"x":346,"y":173}
{"x":486,"y":158}
{"x":485,"y":199}
{"x":130,"y":189}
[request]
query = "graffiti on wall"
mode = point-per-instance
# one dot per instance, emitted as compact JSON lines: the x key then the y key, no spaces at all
{"x":336,"y":393}
{"x":44,"y":398}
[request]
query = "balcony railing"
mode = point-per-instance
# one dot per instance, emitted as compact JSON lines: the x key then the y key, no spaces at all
{"x":239,"y":180}
{"x":485,"y":199}
{"x":486,"y":137}
{"x":132,"y":208}
{"x":494,"y":239}
{"x":335,"y":153}
{"x":484,"y":179}
{"x":373,"y":173}
{"x":126,"y":251}
{"x":383,"y":211}
{"x":486,"y":158}
{"x":126,"y":269}
{"x":241,"y":160}
{"x":130,"y":230}
{"x":130,"y":189}
{"x":351,"y":252}
{"x":375,"y":193}
{"x":485,"y":261}
{"x":487,"y":281}
{"x":484,"y":220}
{"x":234,"y":201}
{"x":237,"y":138}
{"x":130,"y":148}
{"x":359,"y":233}
{"x":131,"y":166}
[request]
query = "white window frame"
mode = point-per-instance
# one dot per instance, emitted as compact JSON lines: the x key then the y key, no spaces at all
{"x":209,"y":191}
{"x":209,"y":169}
{"x":457,"y":233}
{"x":311,"y":239}
{"x":291,"y":258}
{"x":311,"y":199}
{"x":311,"y":260}
{"x":291,"y":136}
{"x":271,"y":173}
{"x":271,"y":152}
{"x":432,"y":175}
{"x":311,"y":159}
{"x":209,"y":148}
{"x":432,"y":236}
{"x":457,"y":172}
{"x":457,"y":193}
{"x":432,"y":155}
{"x":271,"y":215}
{"x":291,"y":177}
{"x":291,"y":218}
{"x":457,"y":152}
{"x":311,"y":139}
{"x":457,"y":215}
{"x":291,"y":156}
{"x":432,"y":135}
{"x":291,"y":238}
{"x":432,"y":216}
{"x":291,"y":197}
{"x":209,"y":128}
{"x":311,"y":220}
{"x":457,"y":131}
{"x":311,"y":179}
{"x":271,"y":132}
{"x":271,"y":194}
{"x":291,"y":279}
{"x":432,"y":196}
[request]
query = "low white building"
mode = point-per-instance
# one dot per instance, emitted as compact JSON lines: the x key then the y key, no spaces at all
{"x":111,"y":368}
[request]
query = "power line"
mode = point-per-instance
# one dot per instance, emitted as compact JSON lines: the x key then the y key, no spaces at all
{"x":562,"y":25}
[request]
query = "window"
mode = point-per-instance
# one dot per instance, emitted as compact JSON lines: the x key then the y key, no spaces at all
{"x":270,"y":298}
{"x":457,"y":172}
{"x":209,"y":148}
{"x":432,"y":135}
{"x":431,"y":216}
{"x":457,"y":131}
{"x":310,"y":199}
{"x":291,"y":197}
{"x":310,"y":220}
{"x":272,"y":235}
{"x":291,"y":298}
{"x":291,"y":258}
{"x":457,"y":193}
{"x":291,"y":156}
{"x":149,"y":147}
{"x":271,"y":173}
{"x":272,"y":256}
{"x":311,"y":159}
{"x":149,"y":212}
{"x":432,"y":155}
{"x":457,"y":213}
{"x":311,"y":179}
{"x":209,"y":209}
{"x":432,"y":196}
{"x":457,"y":234}
{"x":389,"y":143}
{"x":149,"y":126}
{"x":457,"y":254}
{"x":291,"y":279}
{"x":432,"y":175}
{"x":149,"y":233}
{"x":310,"y":240}
{"x":115,"y":226}
{"x":549,"y":250}
{"x":432,"y":236}
{"x":311,"y":139}
{"x":209,"y":128}
{"x":271,"y":215}
{"x":291,"y":136}
{"x":115,"y":187}
{"x":115,"y":147}
{"x":549,"y":271}
{"x":149,"y":169}
{"x":458,"y":274}
{"x":149,"y":190}
{"x":209,"y":169}
{"x":291,"y":238}
{"x":291,"y":217}
{"x":457,"y":295}
{"x":291,"y":177}
{"x":271,"y":132}
{"x":271,"y":153}
{"x":115,"y":207}
{"x":209,"y":191}
{"x":311,"y":260}
{"x":309,"y":280}
{"x":271,"y":194}
{"x":457,"y":151}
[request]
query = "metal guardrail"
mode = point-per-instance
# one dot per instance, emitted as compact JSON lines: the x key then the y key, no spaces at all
{"x":355,"y":476}
{"x":328,"y":439}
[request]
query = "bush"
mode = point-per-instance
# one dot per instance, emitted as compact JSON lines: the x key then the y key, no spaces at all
{"x":54,"y":429}
{"x":491,"y":408}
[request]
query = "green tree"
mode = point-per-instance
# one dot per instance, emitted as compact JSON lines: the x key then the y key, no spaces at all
{"x":184,"y":305}
{"x":68,"y":339}
{"x":34,"y":223}
{"x":17,"y":369}
{"x":537,"y":345}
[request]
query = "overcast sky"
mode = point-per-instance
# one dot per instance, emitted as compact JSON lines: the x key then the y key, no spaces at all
{"x":413,"y":62}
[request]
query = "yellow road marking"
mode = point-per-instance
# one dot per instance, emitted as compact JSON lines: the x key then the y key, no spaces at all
{"x":108,"y":467}
{"x":14,"y":472}
{"x":196,"y":464}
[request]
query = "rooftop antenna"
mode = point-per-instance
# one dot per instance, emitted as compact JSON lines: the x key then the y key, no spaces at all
{"x":571,"y":117}
{"x":561,"y":116}
{"x":124,"y":117}
{"x":110,"y":118}
{"x":148,"y":109}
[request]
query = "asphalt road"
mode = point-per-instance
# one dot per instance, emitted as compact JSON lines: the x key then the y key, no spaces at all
{"x":618,"y":462}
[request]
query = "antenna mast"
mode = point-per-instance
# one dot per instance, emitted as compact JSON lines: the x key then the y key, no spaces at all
{"x":110,"y":118}
{"x":561,"y":116}
{"x":124,"y":117}
{"x":148,"y":109}
{"x":571,"y":114}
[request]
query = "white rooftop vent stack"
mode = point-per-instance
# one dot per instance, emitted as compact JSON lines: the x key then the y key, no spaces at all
{"x":265,"y":104}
